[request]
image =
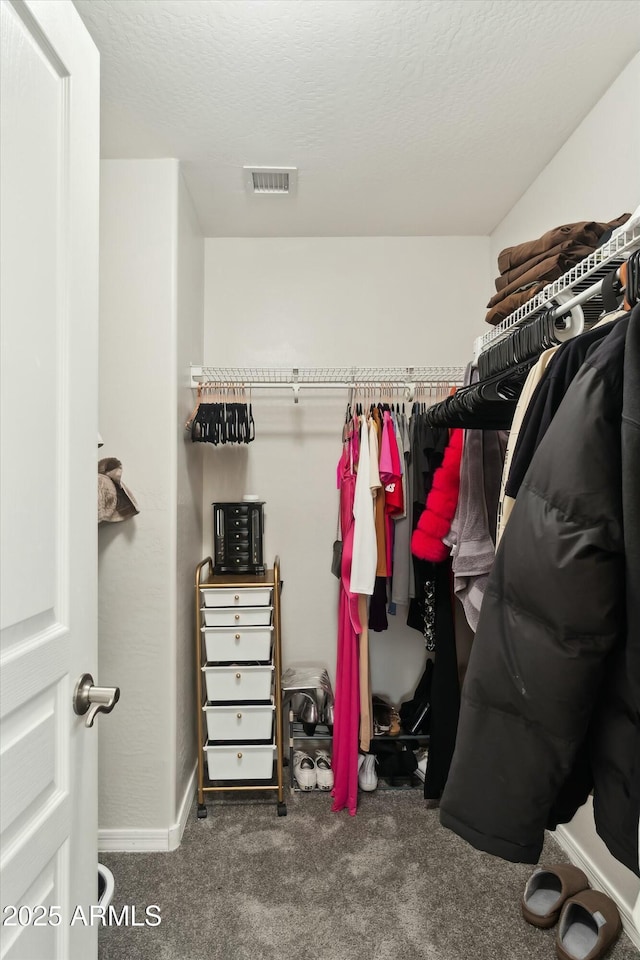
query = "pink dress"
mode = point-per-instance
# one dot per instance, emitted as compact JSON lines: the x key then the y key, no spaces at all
{"x":346,"y":722}
{"x":391,"y":477}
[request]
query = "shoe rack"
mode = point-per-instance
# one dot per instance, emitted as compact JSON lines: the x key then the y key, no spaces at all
{"x":298,"y":737}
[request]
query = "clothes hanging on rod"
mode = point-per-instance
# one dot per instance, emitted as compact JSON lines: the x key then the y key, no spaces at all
{"x":445,"y":685}
{"x":402,"y":583}
{"x":434,"y":523}
{"x":375,"y":471}
{"x":551,"y":703}
{"x":431,"y":611}
{"x":428,"y":445}
{"x":347,"y":691}
{"x":381,"y":467}
{"x":533,"y":378}
{"x":373,"y":452}
{"x":435,"y":583}
{"x":472,"y":536}
{"x":554,"y":373}
{"x":459,"y":518}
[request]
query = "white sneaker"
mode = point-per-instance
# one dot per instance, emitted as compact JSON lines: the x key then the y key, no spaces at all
{"x":367,"y":776}
{"x":422,"y":756}
{"x":304,"y":770}
{"x":324,"y":773}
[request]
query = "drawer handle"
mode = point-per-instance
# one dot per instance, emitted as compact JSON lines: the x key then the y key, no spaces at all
{"x":237,"y":596}
{"x":237,"y":616}
{"x":238,"y":676}
{"x":239,"y":756}
{"x":237,"y":636}
{"x":239,"y":716}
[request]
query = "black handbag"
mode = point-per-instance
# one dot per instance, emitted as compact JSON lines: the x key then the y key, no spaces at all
{"x":336,"y":558}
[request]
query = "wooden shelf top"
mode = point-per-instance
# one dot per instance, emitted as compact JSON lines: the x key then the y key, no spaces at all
{"x":239,"y":580}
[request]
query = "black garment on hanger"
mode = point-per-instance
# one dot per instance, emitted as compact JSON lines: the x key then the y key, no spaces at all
{"x":549,"y":394}
{"x":445,"y":688}
{"x":427,"y":450}
{"x":428,"y":446}
{"x":494,"y":448}
{"x":378,"y":606}
{"x":563,"y":661}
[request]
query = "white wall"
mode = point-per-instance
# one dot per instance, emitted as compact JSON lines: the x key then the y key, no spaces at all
{"x":589,"y":852}
{"x":327,"y":302}
{"x":137,"y":416}
{"x":595,"y":176}
{"x":189,"y":345}
{"x":150,"y":288}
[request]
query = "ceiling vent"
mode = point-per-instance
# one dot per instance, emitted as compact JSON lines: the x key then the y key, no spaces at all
{"x":277,"y":181}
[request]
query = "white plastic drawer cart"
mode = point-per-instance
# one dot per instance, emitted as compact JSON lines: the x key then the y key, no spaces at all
{"x":238,"y":683}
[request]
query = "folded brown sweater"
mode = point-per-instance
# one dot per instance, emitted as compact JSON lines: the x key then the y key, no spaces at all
{"x":512,"y":302}
{"x":585,"y":232}
{"x":568,"y":247}
{"x":547,"y":270}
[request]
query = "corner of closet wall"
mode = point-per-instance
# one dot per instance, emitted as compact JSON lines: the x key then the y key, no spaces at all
{"x":594,"y":176}
{"x":150,"y":328}
{"x":189,"y":519}
{"x":327,"y":301}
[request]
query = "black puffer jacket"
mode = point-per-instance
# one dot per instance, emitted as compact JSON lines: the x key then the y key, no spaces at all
{"x":551,"y":701}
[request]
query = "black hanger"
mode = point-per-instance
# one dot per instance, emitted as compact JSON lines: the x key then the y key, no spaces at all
{"x":252,"y":425}
{"x":486,"y":404}
{"x":632,"y":282}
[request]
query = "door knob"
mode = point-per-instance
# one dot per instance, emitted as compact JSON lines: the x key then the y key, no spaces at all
{"x":93,"y":700}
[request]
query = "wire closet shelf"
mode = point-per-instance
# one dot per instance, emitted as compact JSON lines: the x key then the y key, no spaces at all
{"x":577,"y":286}
{"x":330,"y":378}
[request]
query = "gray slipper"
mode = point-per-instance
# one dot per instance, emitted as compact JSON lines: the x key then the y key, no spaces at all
{"x":589,"y":925}
{"x":547,"y":890}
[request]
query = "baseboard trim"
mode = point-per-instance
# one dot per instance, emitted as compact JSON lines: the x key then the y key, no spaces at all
{"x":579,"y":856}
{"x":176,"y":831}
{"x":150,"y":841}
{"x":133,"y":841}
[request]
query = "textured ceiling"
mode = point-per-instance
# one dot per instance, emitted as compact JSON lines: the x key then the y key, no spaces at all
{"x":404,"y":117}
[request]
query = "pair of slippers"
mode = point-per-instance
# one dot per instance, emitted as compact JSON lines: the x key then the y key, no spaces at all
{"x":589,"y":920}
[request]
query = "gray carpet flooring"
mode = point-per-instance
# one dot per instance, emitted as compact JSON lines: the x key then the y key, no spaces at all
{"x":389,"y":884}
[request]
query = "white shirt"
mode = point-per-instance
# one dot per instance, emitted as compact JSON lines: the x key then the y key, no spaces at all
{"x":365,"y":553}
{"x":374,"y":472}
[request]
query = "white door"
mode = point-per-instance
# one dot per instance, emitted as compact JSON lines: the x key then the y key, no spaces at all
{"x":48,"y":450}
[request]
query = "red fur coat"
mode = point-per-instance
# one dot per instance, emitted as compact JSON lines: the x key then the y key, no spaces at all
{"x":442,"y":500}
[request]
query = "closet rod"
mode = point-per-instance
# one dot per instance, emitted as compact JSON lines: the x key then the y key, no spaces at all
{"x":327,"y":378}
{"x":578,"y":298}
{"x":595,"y":266}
